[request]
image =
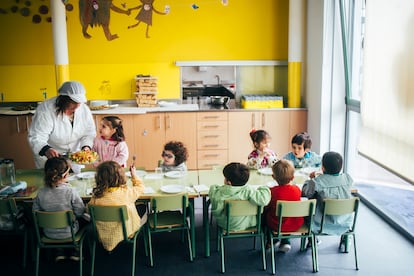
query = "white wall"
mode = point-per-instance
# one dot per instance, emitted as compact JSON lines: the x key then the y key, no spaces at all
{"x":325,"y":87}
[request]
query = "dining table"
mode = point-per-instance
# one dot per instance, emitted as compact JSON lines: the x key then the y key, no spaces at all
{"x":196,"y":183}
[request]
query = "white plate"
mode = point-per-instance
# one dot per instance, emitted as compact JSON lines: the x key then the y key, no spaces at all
{"x":172,"y":189}
{"x":175,"y":174}
{"x":86,"y":175}
{"x":154,"y":176}
{"x":139,"y":173}
{"x":265,"y":171}
{"x":271,"y":184}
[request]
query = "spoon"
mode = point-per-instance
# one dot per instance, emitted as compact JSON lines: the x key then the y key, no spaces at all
{"x":134,"y":157}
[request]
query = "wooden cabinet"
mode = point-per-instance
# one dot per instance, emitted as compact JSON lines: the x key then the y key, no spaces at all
{"x":153,"y":130}
{"x":212,"y":139}
{"x":280,"y":124}
{"x":14,"y":143}
{"x":129,"y":132}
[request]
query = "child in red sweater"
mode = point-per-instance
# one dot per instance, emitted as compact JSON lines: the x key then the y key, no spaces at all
{"x":283,"y":173}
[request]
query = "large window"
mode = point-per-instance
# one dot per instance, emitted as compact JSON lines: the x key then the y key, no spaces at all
{"x":375,"y":154}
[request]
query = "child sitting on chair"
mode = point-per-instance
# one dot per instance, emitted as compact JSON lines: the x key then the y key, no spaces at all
{"x":262,"y":156}
{"x":236,"y":176}
{"x":112,"y":189}
{"x":283,"y":173}
{"x":174,"y":156}
{"x":301,"y":154}
{"x":58,"y":195}
{"x":331,"y":184}
{"x":110,"y":143}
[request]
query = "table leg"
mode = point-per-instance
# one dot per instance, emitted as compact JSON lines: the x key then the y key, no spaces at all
{"x":206,"y":226}
{"x":192,"y":221}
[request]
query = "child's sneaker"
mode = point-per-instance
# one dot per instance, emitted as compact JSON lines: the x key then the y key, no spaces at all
{"x":284,"y":248}
{"x":276,"y":244}
{"x":60,"y":255}
{"x":74,"y":256}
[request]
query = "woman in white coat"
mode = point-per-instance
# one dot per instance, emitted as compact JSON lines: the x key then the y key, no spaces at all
{"x":62,"y":124}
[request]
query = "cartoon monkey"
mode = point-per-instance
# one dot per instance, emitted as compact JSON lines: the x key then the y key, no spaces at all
{"x":97,"y":13}
{"x":145,"y":14}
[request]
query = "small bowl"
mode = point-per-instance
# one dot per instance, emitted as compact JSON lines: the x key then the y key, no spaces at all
{"x":219,"y":100}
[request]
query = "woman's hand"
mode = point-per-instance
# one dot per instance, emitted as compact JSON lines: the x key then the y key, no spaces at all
{"x":51,"y":152}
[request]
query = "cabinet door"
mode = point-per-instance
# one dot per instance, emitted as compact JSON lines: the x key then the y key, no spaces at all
{"x":14,"y":143}
{"x":149,"y":139}
{"x":277,"y":124}
{"x":182,"y":126}
{"x":240,"y":125}
{"x":298,"y":121}
{"x":129,"y":131}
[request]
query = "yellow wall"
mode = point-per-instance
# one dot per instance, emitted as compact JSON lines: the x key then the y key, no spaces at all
{"x":243,"y":30}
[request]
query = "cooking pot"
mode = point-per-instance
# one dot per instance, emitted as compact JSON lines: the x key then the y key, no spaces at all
{"x":219,"y":100}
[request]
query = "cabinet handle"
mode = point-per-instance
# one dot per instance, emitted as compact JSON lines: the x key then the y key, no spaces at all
{"x":158,"y":122}
{"x":211,"y":165}
{"x":211,"y":146}
{"x":168,"y":119}
{"x":211,"y":155}
{"x":211,"y":117}
{"x":211,"y":136}
{"x":96,"y":123}
{"x":17,"y":124}
{"x":263,"y":120}
{"x":211,"y":126}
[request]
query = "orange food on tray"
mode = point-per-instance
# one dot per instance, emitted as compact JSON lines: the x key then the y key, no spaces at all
{"x":84,"y":157}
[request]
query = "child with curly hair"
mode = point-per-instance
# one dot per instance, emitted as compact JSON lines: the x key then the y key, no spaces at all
{"x":174,"y":156}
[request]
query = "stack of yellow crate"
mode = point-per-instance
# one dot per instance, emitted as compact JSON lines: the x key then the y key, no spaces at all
{"x":146,"y":91}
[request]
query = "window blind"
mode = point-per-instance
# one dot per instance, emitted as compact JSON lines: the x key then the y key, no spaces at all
{"x":387,"y":100}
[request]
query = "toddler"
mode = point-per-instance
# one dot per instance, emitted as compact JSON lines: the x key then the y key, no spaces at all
{"x":112,"y":189}
{"x":58,"y":195}
{"x":174,"y":156}
{"x":236,"y":176}
{"x":283,"y":173}
{"x":262,"y":156}
{"x":110,"y":144}
{"x":331,"y":184}
{"x":301,"y":154}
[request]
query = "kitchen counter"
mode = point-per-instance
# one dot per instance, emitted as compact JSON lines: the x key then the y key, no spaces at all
{"x":133,"y":109}
{"x":121,"y":109}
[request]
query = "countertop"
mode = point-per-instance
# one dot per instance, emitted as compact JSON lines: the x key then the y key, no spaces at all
{"x":129,"y":108}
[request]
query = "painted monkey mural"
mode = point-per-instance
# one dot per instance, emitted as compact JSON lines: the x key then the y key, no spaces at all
{"x":98,"y":13}
{"x":145,"y":14}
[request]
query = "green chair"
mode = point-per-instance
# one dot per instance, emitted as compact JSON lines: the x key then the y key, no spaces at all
{"x":169,"y":213}
{"x":13,"y":223}
{"x":61,"y":219}
{"x":113,"y":214}
{"x":339,"y":207}
{"x":241,"y":208}
{"x":286,"y":209}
